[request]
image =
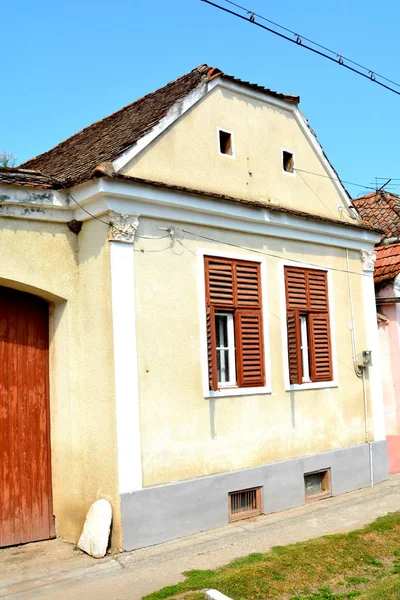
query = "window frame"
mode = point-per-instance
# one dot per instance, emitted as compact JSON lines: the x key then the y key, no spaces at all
{"x":232,"y":391}
{"x":289,"y":387}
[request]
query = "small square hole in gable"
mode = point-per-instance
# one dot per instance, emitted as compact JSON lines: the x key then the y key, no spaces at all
{"x":288,"y":161}
{"x":225,"y":142}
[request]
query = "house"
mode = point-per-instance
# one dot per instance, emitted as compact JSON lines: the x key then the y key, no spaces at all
{"x":382,"y":209}
{"x":185,"y":292}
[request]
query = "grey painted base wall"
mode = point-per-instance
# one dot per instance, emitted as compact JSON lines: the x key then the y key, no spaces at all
{"x":166,"y":512}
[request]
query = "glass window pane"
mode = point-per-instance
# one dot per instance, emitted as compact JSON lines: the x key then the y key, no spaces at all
{"x":221,"y":327}
{"x":225,"y":367}
{"x":225,"y":339}
{"x":313,"y":483}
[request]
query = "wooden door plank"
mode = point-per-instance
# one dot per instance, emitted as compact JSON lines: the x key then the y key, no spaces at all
{"x":5,"y":521}
{"x":25,"y":461}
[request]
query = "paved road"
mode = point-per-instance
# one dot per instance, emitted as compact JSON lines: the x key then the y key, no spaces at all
{"x":57,"y":571}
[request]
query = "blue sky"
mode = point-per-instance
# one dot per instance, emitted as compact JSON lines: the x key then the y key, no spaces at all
{"x":67,"y":64}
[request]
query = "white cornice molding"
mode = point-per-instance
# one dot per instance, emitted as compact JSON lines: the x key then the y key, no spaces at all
{"x":29,"y":212}
{"x":34,"y":204}
{"x":98,"y":197}
{"x":121,"y":196}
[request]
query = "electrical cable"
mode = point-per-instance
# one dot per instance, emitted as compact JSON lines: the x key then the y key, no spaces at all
{"x":317,"y":197}
{"x":336,"y":58}
{"x":204,"y":237}
{"x":56,"y":182}
{"x":367,"y":187}
{"x":312,"y":42}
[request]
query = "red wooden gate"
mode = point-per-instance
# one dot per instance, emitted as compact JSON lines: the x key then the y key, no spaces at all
{"x":26,"y":511}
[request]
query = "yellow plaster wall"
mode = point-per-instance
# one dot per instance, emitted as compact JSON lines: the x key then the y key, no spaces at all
{"x":187,"y":153}
{"x":185,"y":435}
{"x":73,"y":274}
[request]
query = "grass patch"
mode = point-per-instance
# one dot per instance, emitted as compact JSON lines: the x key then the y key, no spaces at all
{"x":362,"y":564}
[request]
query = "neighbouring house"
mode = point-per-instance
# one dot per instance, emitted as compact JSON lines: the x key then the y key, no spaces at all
{"x":186,"y":289}
{"x":382,"y":209}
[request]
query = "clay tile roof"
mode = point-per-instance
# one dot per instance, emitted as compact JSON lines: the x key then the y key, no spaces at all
{"x":382,"y":210}
{"x":24,"y":177}
{"x":387,"y":264}
{"x":75,"y":159}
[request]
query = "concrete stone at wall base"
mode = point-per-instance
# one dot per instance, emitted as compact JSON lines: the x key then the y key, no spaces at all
{"x":166,"y":512}
{"x":96,"y":530}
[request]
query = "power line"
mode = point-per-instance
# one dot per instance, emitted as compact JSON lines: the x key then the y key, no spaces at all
{"x":302,"y":37}
{"x":316,"y":195}
{"x":367,"y":187}
{"x":76,"y":201}
{"x":298,"y":40}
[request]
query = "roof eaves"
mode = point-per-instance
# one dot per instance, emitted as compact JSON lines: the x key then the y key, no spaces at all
{"x":16,"y":176}
{"x":255,"y":203}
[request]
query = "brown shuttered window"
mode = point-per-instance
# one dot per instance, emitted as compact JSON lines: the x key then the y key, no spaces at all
{"x":308,"y":328}
{"x":234,"y":323}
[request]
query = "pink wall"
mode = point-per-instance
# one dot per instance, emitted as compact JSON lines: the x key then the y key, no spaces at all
{"x":389,"y":395}
{"x":389,"y":343}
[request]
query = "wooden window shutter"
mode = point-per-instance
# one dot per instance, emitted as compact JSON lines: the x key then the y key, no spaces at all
{"x":294,"y":347}
{"x":249,"y":348}
{"x":319,"y":341}
{"x":234,"y":286}
{"x":296,"y":288}
{"x":317,"y":290}
{"x":219,"y":282}
{"x":248,"y":285}
{"x":211,"y":349}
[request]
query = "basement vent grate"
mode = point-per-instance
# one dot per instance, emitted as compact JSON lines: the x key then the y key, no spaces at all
{"x":244,"y":504}
{"x":317,"y":485}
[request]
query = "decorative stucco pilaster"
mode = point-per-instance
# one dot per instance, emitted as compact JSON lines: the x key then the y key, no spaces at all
{"x":122,"y":236}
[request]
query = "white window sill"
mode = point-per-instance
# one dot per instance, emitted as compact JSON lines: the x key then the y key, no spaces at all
{"x":235,"y":391}
{"x":316,"y":385}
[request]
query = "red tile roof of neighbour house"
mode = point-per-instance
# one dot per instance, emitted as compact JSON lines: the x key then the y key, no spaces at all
{"x":387,"y":265}
{"x":75,"y":159}
{"x":382,"y":210}
{"x":25,"y":177}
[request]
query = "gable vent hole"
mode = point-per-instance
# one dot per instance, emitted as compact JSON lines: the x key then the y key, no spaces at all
{"x":245,"y":504}
{"x":288,"y":161}
{"x":225,"y":142}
